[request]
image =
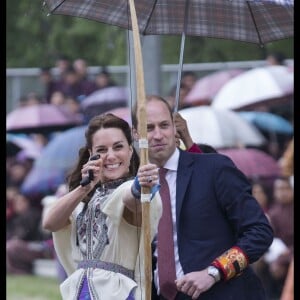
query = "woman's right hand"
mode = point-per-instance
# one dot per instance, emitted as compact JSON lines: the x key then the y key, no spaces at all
{"x":91,"y":171}
{"x":148,"y":175}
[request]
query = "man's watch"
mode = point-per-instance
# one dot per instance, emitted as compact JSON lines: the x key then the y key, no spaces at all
{"x":214,"y":272}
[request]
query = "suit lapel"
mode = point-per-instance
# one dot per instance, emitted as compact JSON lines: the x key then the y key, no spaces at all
{"x":183,"y":177}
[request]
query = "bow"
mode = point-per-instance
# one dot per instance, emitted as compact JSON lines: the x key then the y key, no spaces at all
{"x":143,"y":146}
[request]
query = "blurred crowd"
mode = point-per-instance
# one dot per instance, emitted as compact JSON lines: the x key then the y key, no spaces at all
{"x":27,"y":241}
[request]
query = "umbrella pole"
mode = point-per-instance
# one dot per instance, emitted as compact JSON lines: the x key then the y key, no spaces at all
{"x":143,"y":145}
{"x":181,"y":56}
{"x":179,"y":72}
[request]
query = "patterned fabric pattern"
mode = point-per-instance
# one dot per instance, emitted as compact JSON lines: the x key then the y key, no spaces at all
{"x":91,"y":222}
{"x":231,"y":262}
{"x":249,"y":21}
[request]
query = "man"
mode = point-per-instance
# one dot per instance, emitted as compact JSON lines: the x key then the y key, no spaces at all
{"x":218,"y":226}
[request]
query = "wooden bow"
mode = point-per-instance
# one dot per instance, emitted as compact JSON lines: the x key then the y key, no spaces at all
{"x":143,"y":145}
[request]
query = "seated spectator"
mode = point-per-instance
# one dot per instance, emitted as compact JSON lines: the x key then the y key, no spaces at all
{"x":188,"y":79}
{"x":57,"y":98}
{"x":281,"y":215}
{"x":171,"y":98}
{"x":17,"y":171}
{"x":49,"y":83}
{"x":275,"y":58}
{"x":103,"y":80}
{"x":88,"y":85}
{"x":25,"y":241}
{"x":72,"y":105}
{"x":11,"y":193}
{"x":29,"y":99}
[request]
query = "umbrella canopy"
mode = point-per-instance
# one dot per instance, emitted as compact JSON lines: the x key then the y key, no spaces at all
{"x":16,"y":143}
{"x":207,"y":87}
{"x":41,"y":118}
{"x":220,"y":128}
{"x":254,"y":163}
{"x":52,"y":166}
{"x":257,"y":22}
{"x":259,"y":85}
{"x":267,"y":121}
{"x":104,"y":100}
{"x":249,"y":21}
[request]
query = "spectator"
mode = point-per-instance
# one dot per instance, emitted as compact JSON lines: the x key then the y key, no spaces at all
{"x":104,"y":79}
{"x":72,"y":105}
{"x":81,"y":67}
{"x":188,"y":79}
{"x":171,"y":98}
{"x":49,"y":83}
{"x":17,"y":171}
{"x":29,"y":99}
{"x":275,"y":58}
{"x":24,"y":241}
{"x":88,"y":86}
{"x":286,"y":161}
{"x":62,"y":63}
{"x":281,"y":214}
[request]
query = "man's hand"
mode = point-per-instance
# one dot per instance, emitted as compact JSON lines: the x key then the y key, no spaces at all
{"x":195,"y":283}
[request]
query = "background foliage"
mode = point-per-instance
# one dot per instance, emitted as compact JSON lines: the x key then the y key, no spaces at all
{"x":34,"y":39}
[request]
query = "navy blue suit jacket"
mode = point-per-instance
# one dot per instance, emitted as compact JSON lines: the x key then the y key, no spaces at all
{"x":215,"y":211}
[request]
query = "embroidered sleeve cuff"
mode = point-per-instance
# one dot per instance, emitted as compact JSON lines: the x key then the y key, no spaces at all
{"x":136,"y":189}
{"x":231,"y":263}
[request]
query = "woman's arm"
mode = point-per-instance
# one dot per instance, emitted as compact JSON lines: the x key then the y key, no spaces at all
{"x":58,"y":215}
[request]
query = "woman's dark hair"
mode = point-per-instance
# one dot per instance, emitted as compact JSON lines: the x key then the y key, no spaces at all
{"x":107,"y":120}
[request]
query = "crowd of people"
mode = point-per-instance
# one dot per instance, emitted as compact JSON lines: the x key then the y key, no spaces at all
{"x":229,"y":234}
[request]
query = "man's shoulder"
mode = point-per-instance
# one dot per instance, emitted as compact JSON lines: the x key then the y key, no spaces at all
{"x":205,"y":158}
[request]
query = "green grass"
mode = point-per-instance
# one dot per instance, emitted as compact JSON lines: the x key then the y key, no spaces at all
{"x":19,"y":287}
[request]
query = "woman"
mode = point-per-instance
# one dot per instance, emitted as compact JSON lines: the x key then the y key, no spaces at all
{"x":96,"y":226}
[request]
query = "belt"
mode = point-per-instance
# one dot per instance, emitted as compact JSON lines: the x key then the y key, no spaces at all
{"x":92,"y":263}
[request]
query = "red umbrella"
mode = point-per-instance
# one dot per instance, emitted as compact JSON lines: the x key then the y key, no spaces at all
{"x":207,"y":87}
{"x":253,"y":162}
{"x":42,"y":118}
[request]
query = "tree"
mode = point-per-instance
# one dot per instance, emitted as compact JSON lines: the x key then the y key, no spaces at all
{"x":34,"y":39}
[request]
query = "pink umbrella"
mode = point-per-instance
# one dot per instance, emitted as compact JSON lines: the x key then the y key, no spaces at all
{"x":103,"y":100}
{"x":253,"y":162}
{"x":42,"y":118}
{"x":207,"y":87}
{"x":123,"y":113}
